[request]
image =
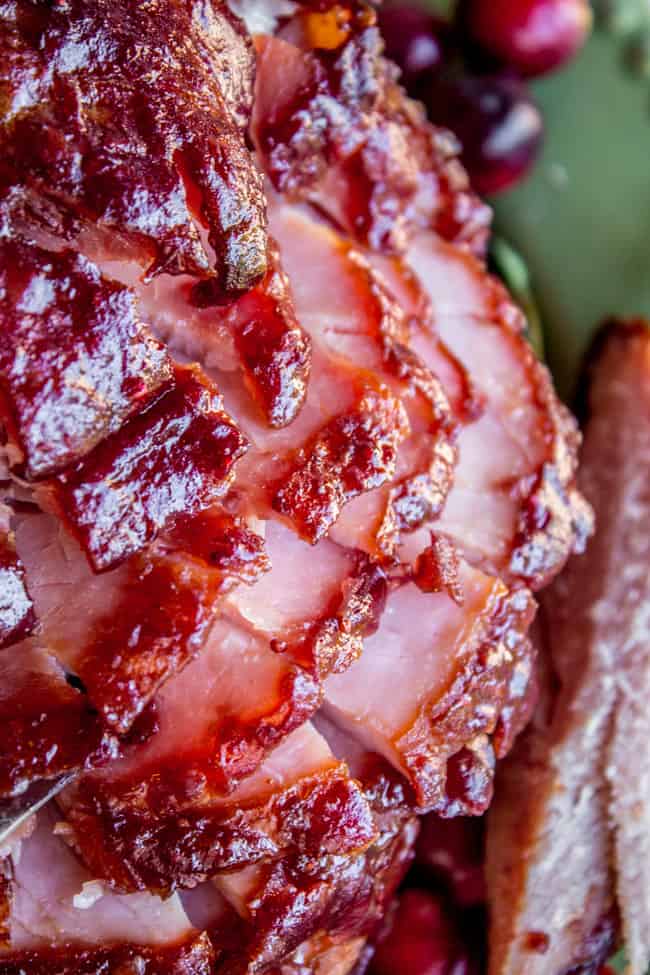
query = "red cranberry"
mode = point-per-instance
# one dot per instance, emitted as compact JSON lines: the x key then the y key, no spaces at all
{"x":421,"y":940}
{"x":533,"y":36}
{"x":412,"y":39}
{"x":498,"y":124}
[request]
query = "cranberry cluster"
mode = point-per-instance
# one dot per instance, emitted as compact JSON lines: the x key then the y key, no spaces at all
{"x":438,"y":925}
{"x":471,"y":73}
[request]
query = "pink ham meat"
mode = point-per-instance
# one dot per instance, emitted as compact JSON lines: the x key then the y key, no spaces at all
{"x":321,"y":476}
{"x":462,"y":669}
{"x":569,"y":828}
{"x":124,"y":632}
{"x":170,"y":811}
{"x":52,"y":900}
{"x":514,"y":508}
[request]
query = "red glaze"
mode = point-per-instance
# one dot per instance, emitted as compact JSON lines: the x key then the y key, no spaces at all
{"x":195,"y":957}
{"x":334,"y":640}
{"x":163,"y":832}
{"x":134,"y":628}
{"x":295,"y":908}
{"x":174,"y":458}
{"x":46,"y":727}
{"x":16,"y":607}
{"x":436,"y":569}
{"x":366,"y":162}
{"x":75,"y":361}
{"x":532,"y":36}
{"x":274,"y":350}
{"x":354,"y":453}
{"x":138,"y":127}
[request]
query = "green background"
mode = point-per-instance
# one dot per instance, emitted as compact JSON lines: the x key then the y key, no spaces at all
{"x":581,"y":221}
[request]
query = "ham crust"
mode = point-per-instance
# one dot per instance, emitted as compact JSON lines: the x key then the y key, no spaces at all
{"x":568,"y":828}
{"x":124,"y":633}
{"x":172,"y":825}
{"x":60,"y":318}
{"x":467,"y":674}
{"x":339,"y":131}
{"x":16,"y":608}
{"x":46,"y":726}
{"x":294,"y":912}
{"x":172,"y":459}
{"x":132,"y":118}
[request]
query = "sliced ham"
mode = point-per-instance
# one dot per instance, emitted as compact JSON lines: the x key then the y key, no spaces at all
{"x":332,"y":126}
{"x":322,"y":465}
{"x":63,"y":321}
{"x":296,"y":911}
{"x":570,"y":825}
{"x":459,"y":666}
{"x":169,"y":812}
{"x":174,"y":458}
{"x":360,"y":320}
{"x":117,"y":128}
{"x":514,"y":508}
{"x":549,"y":878}
{"x":58,"y":912}
{"x":46,"y":726}
{"x":122,"y":633}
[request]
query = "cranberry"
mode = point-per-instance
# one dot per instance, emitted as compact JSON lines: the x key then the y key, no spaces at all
{"x":533,"y":36}
{"x":413,"y":40}
{"x":498,"y":124}
{"x":451,"y":851}
{"x":421,"y":940}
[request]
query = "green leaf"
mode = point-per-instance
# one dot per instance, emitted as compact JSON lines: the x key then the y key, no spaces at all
{"x":618,"y":962}
{"x":513,"y":271}
{"x":444,"y":9}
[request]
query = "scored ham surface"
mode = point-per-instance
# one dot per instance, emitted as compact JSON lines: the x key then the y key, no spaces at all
{"x":568,"y":832}
{"x":280,"y":474}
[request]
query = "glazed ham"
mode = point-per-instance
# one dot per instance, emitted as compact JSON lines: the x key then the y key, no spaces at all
{"x":568,"y":832}
{"x":279,"y":476}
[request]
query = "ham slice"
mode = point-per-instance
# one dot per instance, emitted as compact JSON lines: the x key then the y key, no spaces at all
{"x":514,"y":508}
{"x":170,"y":812}
{"x":131,"y":137}
{"x":460,"y":665}
{"x":361,"y":321}
{"x":46,"y":726}
{"x":569,"y":826}
{"x":58,"y":914}
{"x":122,"y":634}
{"x":332,"y":126}
{"x":297,"y":912}
{"x":62,"y":320}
